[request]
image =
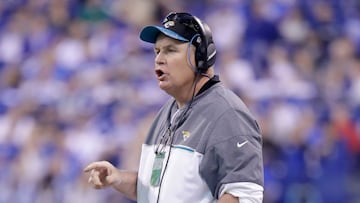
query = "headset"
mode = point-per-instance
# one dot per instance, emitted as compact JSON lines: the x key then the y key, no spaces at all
{"x":205,"y":53}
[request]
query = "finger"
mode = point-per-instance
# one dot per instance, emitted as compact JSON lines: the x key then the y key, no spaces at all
{"x":90,"y":180}
{"x":95,"y":165}
{"x":95,"y":179}
{"x":91,"y":167}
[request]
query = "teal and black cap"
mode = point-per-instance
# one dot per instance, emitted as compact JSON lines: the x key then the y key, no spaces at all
{"x":179,"y":26}
{"x":187,"y":28}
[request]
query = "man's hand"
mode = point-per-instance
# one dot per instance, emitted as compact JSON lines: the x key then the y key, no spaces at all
{"x":102,"y":174}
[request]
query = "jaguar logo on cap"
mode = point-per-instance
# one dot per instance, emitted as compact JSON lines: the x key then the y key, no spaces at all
{"x":169,"y":24}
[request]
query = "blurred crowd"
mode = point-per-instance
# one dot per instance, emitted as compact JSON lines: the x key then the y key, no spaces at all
{"x":77,"y":85}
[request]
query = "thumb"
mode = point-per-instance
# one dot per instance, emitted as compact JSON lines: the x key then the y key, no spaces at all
{"x":112,"y":177}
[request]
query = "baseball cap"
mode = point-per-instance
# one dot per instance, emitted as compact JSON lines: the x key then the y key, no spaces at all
{"x":179,"y":26}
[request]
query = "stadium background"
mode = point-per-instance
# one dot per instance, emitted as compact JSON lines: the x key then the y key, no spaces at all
{"x":77,"y":85}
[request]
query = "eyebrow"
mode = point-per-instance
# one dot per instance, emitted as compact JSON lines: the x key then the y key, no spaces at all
{"x":165,"y":47}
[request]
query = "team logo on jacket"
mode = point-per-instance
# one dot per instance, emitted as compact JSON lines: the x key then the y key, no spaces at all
{"x":186,"y":134}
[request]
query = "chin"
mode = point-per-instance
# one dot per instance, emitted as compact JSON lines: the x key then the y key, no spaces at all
{"x":163,"y":86}
{"x":166,"y":88}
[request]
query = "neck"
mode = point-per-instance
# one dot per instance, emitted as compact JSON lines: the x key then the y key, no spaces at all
{"x":181,"y":100}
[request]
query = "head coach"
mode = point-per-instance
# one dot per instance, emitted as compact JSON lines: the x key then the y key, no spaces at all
{"x":204,"y":145}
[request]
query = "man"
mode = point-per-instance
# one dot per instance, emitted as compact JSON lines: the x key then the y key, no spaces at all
{"x":204,"y":145}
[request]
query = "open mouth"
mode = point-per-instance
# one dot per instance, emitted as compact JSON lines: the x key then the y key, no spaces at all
{"x":159,"y":73}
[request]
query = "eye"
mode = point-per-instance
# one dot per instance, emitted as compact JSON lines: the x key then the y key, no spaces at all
{"x":171,"y":49}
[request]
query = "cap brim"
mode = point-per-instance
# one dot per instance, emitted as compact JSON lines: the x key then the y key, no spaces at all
{"x":150,"y":34}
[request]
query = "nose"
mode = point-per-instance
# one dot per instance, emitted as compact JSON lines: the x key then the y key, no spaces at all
{"x":159,"y":59}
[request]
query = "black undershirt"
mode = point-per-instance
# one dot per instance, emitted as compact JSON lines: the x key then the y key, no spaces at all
{"x":209,"y":83}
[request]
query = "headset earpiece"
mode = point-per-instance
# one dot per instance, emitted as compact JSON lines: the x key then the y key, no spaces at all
{"x":205,"y":48}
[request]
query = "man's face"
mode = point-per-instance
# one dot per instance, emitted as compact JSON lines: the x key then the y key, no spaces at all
{"x":172,"y":68}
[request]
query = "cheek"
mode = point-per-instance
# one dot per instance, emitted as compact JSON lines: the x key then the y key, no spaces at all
{"x":181,"y":68}
{"x":184,"y":68}
{"x":179,"y":64}
{"x":185,"y":75}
